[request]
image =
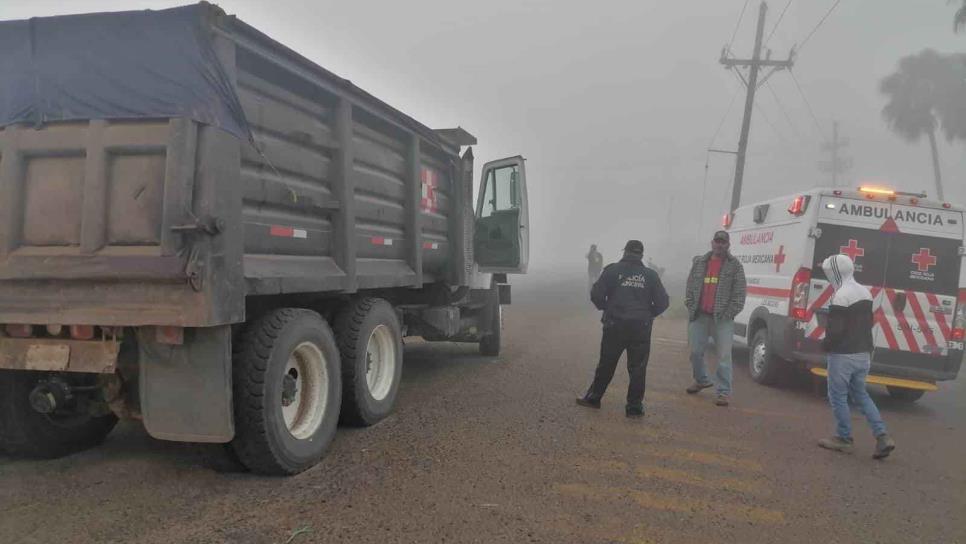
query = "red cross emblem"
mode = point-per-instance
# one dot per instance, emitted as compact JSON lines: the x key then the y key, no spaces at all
{"x":779,"y":259}
{"x":924,"y":259}
{"x":852,"y":250}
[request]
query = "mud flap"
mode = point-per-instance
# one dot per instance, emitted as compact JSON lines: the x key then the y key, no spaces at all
{"x":186,"y":389}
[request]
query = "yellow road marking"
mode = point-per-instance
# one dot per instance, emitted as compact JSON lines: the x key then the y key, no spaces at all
{"x":706,"y":401}
{"x":673,"y":475}
{"x":648,"y":501}
{"x":700,"y":457}
{"x":706,"y":441}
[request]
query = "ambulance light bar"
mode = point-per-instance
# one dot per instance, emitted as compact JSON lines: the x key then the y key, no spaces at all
{"x":877,"y":191}
{"x":888,"y":192}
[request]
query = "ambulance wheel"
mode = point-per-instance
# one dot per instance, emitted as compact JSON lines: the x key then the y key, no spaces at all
{"x":370,"y":341}
{"x":491,"y":341}
{"x":287,"y":392}
{"x":25,"y":432}
{"x":764,"y":366}
{"x":905,"y":395}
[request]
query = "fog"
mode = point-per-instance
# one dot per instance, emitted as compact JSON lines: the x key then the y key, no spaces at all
{"x":615,"y":103}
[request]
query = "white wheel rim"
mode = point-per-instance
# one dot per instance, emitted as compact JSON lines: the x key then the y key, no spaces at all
{"x":758,"y":358}
{"x":380,"y":362}
{"x":306,"y":408}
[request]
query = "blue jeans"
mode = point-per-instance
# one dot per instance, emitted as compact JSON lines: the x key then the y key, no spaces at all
{"x":723,"y":331}
{"x":846,"y":377}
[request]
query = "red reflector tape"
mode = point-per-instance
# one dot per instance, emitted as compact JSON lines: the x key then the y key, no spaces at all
{"x":287,"y":232}
{"x":380,"y":241}
{"x":20,"y":331}
{"x":82,"y":332}
{"x":169,"y":335}
{"x":430,"y":245}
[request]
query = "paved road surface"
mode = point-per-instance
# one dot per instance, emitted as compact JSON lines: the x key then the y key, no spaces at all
{"x":494,"y":450}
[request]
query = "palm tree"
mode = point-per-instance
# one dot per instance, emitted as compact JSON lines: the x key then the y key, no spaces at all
{"x":919,"y":95}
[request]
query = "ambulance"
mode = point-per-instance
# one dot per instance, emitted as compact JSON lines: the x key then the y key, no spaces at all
{"x":908,"y":250}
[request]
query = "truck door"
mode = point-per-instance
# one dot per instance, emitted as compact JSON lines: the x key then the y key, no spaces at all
{"x":920,"y":289}
{"x":501,"y":239}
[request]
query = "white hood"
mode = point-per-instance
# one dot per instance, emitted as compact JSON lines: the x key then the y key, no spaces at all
{"x":840,"y":272}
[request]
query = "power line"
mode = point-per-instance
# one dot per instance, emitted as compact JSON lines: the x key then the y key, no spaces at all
{"x":781,"y":106}
{"x":807,"y":104}
{"x":814,"y":30}
{"x":768,"y":120}
{"x":778,"y":22}
{"x":725,"y":116}
{"x":738,"y":25}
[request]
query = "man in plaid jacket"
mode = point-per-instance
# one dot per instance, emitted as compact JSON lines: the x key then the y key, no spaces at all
{"x":715,"y":295}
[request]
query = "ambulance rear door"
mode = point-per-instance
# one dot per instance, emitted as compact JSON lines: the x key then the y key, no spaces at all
{"x":920,"y":291}
{"x":847,"y":226}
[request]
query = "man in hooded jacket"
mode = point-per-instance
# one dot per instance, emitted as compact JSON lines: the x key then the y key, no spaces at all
{"x":848,"y":343}
{"x":631,"y":296}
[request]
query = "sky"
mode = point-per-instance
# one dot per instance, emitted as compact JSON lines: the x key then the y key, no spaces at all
{"x":614,"y":103}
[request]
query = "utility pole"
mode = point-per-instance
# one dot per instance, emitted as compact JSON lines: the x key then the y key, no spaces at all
{"x":751,"y":83}
{"x":837,"y":164}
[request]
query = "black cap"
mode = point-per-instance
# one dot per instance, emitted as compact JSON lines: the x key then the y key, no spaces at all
{"x":722,"y":235}
{"x":634,"y":246}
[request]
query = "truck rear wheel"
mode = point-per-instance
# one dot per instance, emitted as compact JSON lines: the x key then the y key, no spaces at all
{"x":491,"y":342}
{"x":370,"y":341}
{"x":764,"y":366}
{"x":29,"y":433}
{"x":905,"y":395}
{"x":287,"y":392}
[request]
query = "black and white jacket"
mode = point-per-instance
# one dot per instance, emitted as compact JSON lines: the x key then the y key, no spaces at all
{"x":849,"y":327}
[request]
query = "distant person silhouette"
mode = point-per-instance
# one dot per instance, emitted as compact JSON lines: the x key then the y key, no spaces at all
{"x":595,"y":263}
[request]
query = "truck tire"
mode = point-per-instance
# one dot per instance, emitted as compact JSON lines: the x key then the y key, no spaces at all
{"x":905,"y":395}
{"x":287,"y":392}
{"x":370,"y":341}
{"x":27,"y":433}
{"x":764,"y":366}
{"x":490,"y":342}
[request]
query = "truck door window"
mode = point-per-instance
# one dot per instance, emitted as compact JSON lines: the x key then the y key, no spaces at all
{"x":501,"y":191}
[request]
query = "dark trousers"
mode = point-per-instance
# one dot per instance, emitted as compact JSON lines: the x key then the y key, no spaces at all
{"x":635,"y":338}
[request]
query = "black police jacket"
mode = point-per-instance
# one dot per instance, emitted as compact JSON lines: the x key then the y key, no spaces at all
{"x":629,"y":291}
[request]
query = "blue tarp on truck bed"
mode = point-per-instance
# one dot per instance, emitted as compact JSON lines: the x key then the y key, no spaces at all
{"x":124,"y":65}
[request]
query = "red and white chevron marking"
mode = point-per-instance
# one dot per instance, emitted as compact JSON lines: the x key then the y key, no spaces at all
{"x":429,"y":201}
{"x":430,"y":245}
{"x":905,"y":330}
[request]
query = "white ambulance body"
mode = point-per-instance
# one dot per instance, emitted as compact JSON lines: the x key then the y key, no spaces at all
{"x":908,"y":251}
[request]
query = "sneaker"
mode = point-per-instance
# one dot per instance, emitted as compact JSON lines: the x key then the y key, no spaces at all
{"x":884,"y":444}
{"x":588,"y":402}
{"x":721,"y":400}
{"x":632,"y":411}
{"x":837,"y":443}
{"x":697,"y":387}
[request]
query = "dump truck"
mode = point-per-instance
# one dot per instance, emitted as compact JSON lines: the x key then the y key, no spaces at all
{"x":205,"y":231}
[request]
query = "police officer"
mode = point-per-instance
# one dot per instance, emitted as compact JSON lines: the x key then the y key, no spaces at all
{"x":631,"y":296}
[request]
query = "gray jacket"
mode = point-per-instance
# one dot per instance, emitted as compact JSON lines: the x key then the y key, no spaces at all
{"x":729,"y":299}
